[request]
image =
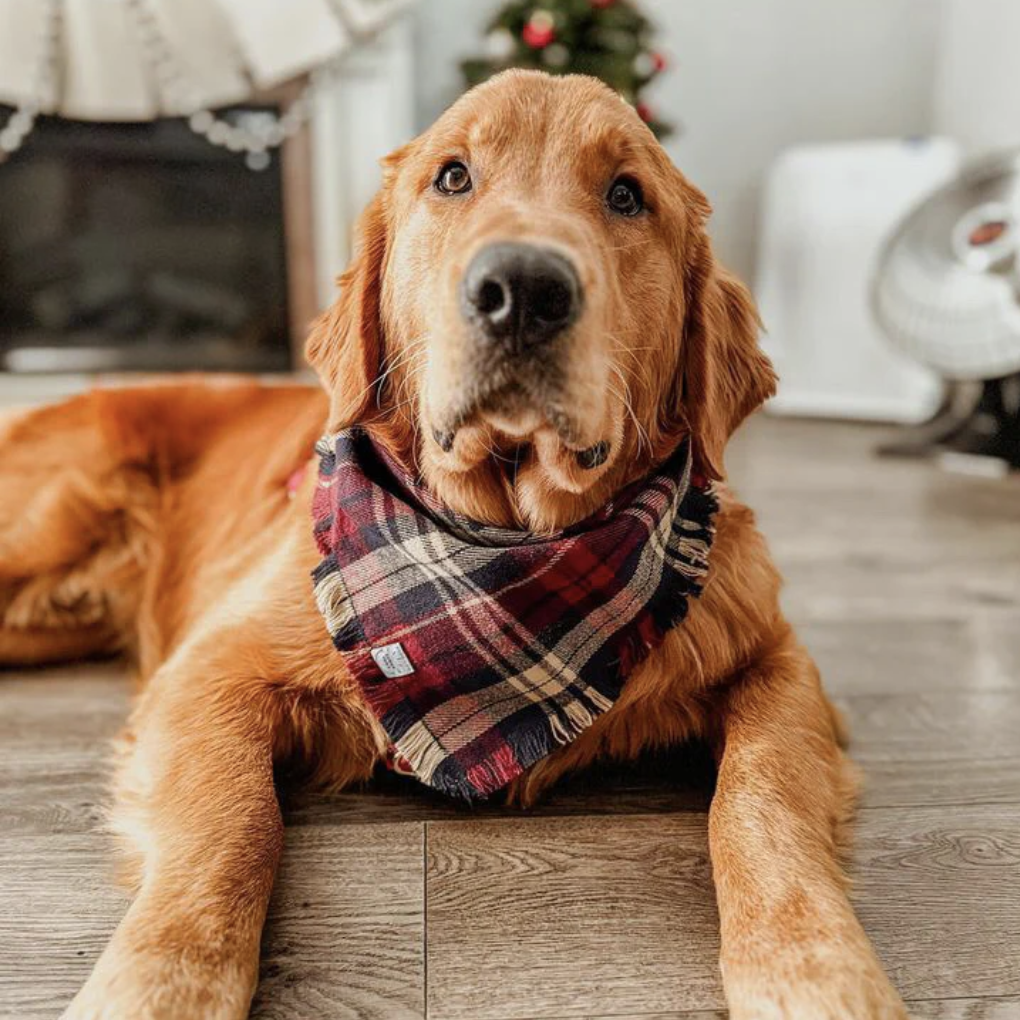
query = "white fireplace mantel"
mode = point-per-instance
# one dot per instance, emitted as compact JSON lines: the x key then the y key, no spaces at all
{"x":363,"y":113}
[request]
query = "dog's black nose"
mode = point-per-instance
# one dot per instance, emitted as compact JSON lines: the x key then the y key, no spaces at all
{"x":520,"y":295}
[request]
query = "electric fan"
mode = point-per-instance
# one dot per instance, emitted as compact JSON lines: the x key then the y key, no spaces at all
{"x":947,"y":294}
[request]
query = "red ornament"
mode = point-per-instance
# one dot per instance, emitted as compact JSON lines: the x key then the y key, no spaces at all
{"x":644,"y":111}
{"x":538,"y":33}
{"x":601,"y":5}
{"x":659,"y":61}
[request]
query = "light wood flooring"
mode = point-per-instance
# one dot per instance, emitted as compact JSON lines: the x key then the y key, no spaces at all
{"x":392,"y":904}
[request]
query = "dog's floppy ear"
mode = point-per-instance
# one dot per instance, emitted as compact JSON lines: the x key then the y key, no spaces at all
{"x":345,"y":343}
{"x":724,"y":375}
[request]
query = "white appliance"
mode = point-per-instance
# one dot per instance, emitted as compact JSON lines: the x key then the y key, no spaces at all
{"x":947,"y":284}
{"x":826,"y":213}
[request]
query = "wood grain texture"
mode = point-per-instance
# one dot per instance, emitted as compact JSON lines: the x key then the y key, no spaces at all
{"x":905,"y":584}
{"x":939,"y":748}
{"x":895,"y":656}
{"x":938,"y":893}
{"x":943,"y":1009}
{"x":521,"y":925}
{"x":56,"y":728}
{"x":58,"y":900}
{"x":966,"y":1009}
{"x":711,"y":1014}
{"x":864,"y":538}
{"x":570,"y":917}
{"x":344,"y":935}
{"x":58,"y":907}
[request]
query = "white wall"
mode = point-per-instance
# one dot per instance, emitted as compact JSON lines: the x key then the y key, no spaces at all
{"x":977,"y":98}
{"x":446,"y":31}
{"x":748,"y":79}
{"x":752,"y":77}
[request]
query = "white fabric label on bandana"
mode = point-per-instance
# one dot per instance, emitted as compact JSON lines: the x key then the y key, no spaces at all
{"x":393,"y":660}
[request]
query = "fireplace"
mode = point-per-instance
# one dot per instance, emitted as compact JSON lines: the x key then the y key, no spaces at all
{"x":130,"y":248}
{"x":140,"y":247}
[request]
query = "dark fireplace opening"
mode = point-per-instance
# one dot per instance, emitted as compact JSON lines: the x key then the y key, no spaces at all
{"x":140,"y":247}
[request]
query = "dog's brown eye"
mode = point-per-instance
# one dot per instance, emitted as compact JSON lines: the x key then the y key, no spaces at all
{"x":625,"y":197}
{"x":453,"y":179}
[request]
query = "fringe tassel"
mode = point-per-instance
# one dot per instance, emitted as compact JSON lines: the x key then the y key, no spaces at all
{"x":325,"y":448}
{"x":427,"y":757}
{"x":600,"y":701}
{"x":567,"y":722}
{"x":335,"y":606}
{"x":421,"y":749}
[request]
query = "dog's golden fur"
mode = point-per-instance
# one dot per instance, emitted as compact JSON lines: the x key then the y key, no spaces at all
{"x":155,"y":521}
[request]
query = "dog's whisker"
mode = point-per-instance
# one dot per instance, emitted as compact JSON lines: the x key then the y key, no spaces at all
{"x":408,"y":354}
{"x":412,"y":365}
{"x":640,"y":366}
{"x":625,"y":399}
{"x":377,"y":383}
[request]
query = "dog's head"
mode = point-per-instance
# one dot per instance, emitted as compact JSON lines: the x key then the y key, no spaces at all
{"x":534,"y":314}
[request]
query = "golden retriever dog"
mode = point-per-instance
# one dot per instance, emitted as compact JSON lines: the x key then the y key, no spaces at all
{"x":533,"y":319}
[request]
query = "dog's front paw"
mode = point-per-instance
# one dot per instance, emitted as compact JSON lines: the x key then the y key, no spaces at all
{"x":815,"y":986}
{"x":155,"y":986}
{"x":818,"y":1003}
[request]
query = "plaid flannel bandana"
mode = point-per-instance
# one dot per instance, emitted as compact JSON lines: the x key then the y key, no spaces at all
{"x":483,"y":649}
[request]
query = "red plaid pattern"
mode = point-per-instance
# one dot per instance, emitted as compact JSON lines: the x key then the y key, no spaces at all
{"x":483,"y":649}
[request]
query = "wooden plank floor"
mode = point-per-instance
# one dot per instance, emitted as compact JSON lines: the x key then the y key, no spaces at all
{"x":394,"y":904}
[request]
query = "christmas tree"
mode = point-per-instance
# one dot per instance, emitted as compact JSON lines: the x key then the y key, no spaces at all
{"x":608,"y":39}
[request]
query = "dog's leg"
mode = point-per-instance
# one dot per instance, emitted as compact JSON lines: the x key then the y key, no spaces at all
{"x":792,"y":948}
{"x":195,"y":799}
